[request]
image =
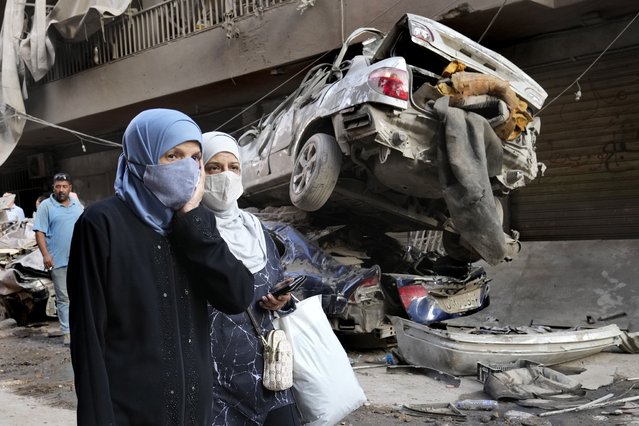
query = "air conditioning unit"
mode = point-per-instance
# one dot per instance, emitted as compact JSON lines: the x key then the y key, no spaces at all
{"x":39,"y":165}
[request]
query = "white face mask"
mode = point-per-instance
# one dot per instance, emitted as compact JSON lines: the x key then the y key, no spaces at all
{"x":222,"y":190}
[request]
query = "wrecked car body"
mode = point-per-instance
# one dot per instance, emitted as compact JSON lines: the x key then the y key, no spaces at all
{"x":458,"y":351}
{"x":357,"y":300}
{"x":23,"y":296}
{"x":427,"y":299}
{"x":351,"y":296}
{"x":375,"y":132}
{"x":26,"y":289}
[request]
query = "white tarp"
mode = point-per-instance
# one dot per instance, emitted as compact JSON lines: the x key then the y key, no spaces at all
{"x":11,"y":101}
{"x":36,"y":50}
{"x":74,"y":20}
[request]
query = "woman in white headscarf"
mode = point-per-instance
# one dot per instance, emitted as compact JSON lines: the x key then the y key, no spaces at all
{"x":143,"y":265}
{"x":239,"y":398}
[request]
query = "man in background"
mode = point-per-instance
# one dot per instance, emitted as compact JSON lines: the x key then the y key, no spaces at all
{"x":14,"y":212}
{"x":53,"y":229}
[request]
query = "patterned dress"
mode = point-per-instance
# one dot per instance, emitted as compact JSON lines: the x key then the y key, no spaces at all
{"x":238,"y":395}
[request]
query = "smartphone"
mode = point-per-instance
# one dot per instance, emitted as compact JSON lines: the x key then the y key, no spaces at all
{"x":288,"y":286}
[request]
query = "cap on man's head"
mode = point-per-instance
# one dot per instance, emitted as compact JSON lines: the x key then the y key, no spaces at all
{"x":61,"y":176}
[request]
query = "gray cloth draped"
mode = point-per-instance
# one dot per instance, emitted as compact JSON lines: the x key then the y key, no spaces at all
{"x":469,"y":154}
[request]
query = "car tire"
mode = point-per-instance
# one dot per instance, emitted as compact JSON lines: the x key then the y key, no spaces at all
{"x":315,"y":172}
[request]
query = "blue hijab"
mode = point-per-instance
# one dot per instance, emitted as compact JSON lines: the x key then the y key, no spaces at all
{"x":146,"y":139}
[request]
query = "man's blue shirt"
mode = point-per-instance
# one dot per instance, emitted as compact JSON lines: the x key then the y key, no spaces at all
{"x":56,"y":221}
{"x":15,"y":214}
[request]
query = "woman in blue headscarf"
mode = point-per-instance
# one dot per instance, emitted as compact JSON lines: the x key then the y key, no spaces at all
{"x":143,"y":264}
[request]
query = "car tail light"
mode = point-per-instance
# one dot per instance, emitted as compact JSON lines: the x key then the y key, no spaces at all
{"x":364,"y":284}
{"x":391,"y":82}
{"x":411,"y":292}
{"x":421,"y":33}
{"x":369,"y":282}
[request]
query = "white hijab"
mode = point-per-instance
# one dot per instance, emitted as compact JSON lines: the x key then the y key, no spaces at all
{"x":241,"y":230}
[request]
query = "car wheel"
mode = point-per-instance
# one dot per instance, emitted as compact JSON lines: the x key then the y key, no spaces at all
{"x":315,"y":172}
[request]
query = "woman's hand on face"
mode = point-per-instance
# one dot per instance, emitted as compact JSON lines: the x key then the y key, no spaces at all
{"x":273,"y":303}
{"x":197,"y":194}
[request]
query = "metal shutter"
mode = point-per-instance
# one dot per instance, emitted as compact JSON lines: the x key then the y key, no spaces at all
{"x":591,"y":147}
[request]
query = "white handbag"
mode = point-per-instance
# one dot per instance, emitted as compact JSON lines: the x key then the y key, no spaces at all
{"x":278,"y":358}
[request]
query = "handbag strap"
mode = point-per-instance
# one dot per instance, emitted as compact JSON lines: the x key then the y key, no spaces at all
{"x":258,"y":330}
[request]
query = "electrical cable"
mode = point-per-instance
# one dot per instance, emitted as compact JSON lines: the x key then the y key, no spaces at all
{"x":83,"y":136}
{"x":576,"y":81}
{"x":384,"y":12}
{"x":245,"y":126}
{"x":578,"y":92}
{"x":341,"y":4}
{"x":270,"y":92}
{"x":490,"y":24}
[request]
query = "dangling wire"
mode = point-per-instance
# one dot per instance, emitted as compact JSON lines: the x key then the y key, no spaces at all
{"x":341,"y":4}
{"x":490,"y":24}
{"x":589,"y":66}
{"x":83,"y":136}
{"x":270,"y":92}
{"x":578,"y":92}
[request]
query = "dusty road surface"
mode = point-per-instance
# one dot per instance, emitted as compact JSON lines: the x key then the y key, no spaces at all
{"x":36,"y":388}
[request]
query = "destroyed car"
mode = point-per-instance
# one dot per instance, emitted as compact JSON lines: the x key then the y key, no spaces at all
{"x":351,"y":296}
{"x":377,"y":132}
{"x":26,"y":289}
{"x":24,"y":297}
{"x":358,"y":299}
{"x":427,"y":299}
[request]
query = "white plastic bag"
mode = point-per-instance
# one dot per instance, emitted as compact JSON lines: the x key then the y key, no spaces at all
{"x":325,"y":386}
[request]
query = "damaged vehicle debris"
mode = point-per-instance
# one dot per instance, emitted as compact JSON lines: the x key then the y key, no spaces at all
{"x":458,"y":350}
{"x":427,"y":299}
{"x":26,"y":289}
{"x":357,"y":299}
{"x":376,"y":133}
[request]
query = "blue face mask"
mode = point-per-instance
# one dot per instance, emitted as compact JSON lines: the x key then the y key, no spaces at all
{"x":173,"y":183}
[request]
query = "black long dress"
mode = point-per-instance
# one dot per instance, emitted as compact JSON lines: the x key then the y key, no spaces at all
{"x":138,"y":315}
